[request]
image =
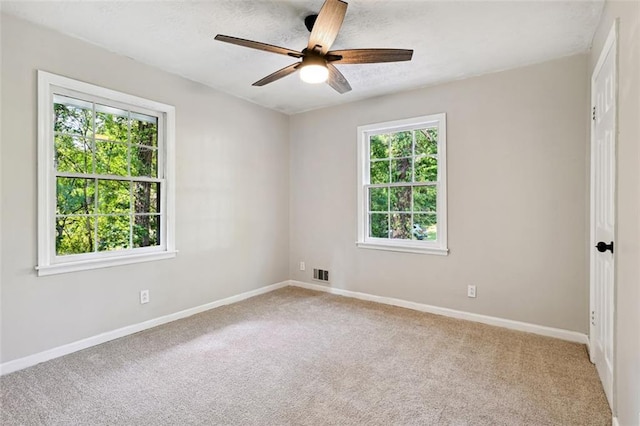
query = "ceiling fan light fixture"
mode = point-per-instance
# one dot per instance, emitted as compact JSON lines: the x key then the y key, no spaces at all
{"x":314,"y":70}
{"x":314,"y":74}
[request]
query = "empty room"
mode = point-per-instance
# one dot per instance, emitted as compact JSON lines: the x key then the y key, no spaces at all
{"x":320,"y":212}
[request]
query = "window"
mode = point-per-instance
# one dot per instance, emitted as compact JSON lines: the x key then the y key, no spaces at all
{"x":105,"y":177}
{"x":402,"y":185}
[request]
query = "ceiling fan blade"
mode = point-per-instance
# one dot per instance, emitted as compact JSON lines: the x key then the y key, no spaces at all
{"x":278,"y":74}
{"x":369,"y":56}
{"x":325,"y":30}
{"x":260,"y":46}
{"x":337,"y":81}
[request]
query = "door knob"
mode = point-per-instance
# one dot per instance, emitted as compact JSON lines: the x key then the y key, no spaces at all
{"x":602,"y":246}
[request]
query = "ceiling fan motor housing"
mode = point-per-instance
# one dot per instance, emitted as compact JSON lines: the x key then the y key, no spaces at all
{"x":309,"y":21}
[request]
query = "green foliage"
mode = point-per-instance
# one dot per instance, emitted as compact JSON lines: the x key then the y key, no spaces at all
{"x":404,"y":212}
{"x":144,"y":162}
{"x":114,"y":196}
{"x":379,"y":199}
{"x":73,"y":154}
{"x":113,"y":232}
{"x":113,"y":127}
{"x":111,"y":158}
{"x":379,"y":225}
{"x":74,"y":196}
{"x":379,"y":172}
{"x":71,"y":119}
{"x":400,"y":199}
{"x":400,"y":226}
{"x":74,"y":234}
{"x":426,"y":169}
{"x":402,"y":170}
{"x":146,"y":197}
{"x":401,"y":144}
{"x":95,"y":213}
{"x":379,"y":146}
{"x":425,"y":198}
{"x":146,"y":231}
{"x":427,"y":141}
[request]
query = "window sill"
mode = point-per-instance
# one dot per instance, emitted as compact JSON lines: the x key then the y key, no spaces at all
{"x":406,"y":248}
{"x":63,"y":268}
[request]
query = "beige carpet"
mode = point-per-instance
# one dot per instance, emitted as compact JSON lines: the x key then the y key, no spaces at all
{"x":297,"y":357}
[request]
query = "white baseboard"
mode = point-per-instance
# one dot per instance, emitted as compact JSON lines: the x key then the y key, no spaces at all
{"x":558,"y":333}
{"x":614,"y":422}
{"x":28,"y":361}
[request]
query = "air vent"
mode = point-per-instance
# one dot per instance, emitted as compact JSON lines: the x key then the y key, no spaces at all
{"x":320,"y":274}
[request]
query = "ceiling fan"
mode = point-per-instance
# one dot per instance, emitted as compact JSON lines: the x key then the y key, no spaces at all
{"x":317,"y":61}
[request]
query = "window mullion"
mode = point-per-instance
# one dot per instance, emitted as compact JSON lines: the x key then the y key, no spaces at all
{"x":95,"y":182}
{"x":398,"y":184}
{"x":388,"y":209}
{"x":131,"y":213}
{"x":110,"y":177}
{"x":413,"y":177}
{"x":131,"y":184}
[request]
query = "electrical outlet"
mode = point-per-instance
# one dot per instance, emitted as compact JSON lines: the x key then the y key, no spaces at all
{"x":471,"y":291}
{"x":302,"y":266}
{"x":144,"y":297}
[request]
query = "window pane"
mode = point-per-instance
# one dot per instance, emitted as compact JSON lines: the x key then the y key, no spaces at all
{"x":424,"y":227}
{"x":112,"y":124}
{"x":379,"y":225}
{"x":379,"y":199}
{"x":73,"y":154}
{"x":72,"y":116}
{"x":75,"y":235}
{"x":401,"y":226}
{"x":426,"y":169}
{"x":75,"y":196}
{"x":144,"y":130}
{"x":379,"y":146}
{"x":111,"y":158}
{"x":379,"y":172}
{"x":146,"y":231}
{"x":427,"y":141}
{"x":113,"y":232}
{"x":144,"y":162}
{"x":401,"y":144}
{"x":113,"y":196}
{"x":400,"y":199}
{"x":425,"y":198}
{"x":401,"y":170}
{"x":146,"y":197}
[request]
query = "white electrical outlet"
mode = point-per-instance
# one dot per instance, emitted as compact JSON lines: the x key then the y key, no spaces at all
{"x":302,"y":266}
{"x":144,"y":296}
{"x":471,"y":291}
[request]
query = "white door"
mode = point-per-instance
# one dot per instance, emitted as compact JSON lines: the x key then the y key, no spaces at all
{"x":603,"y":185}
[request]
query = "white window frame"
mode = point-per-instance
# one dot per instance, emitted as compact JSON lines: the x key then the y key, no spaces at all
{"x":438,"y":247}
{"x":48,"y":262}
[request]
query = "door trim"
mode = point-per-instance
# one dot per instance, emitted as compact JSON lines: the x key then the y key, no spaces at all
{"x":610,"y":45}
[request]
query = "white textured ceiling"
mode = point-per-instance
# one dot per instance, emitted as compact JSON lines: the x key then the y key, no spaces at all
{"x":451,"y":40}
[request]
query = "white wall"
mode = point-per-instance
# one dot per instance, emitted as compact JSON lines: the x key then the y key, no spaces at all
{"x":259,"y":191}
{"x":232,"y":199}
{"x":517,"y":210}
{"x":627,"y":307}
